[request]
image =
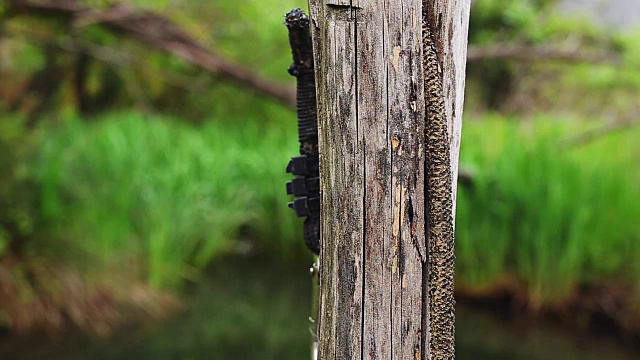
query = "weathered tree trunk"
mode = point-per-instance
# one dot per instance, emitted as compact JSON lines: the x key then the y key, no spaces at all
{"x":390,"y":80}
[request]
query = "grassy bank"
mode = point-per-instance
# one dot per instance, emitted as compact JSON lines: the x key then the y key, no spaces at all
{"x":163,"y":199}
{"x":547,"y":213}
{"x":165,"y":194}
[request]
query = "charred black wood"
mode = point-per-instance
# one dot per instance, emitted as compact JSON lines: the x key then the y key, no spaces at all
{"x":305,"y":187}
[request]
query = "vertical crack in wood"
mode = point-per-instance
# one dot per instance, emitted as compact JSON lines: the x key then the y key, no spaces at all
{"x":406,"y":116}
{"x":387,"y":120}
{"x":362,"y":147}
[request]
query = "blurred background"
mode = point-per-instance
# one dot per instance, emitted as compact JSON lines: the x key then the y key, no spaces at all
{"x":142,"y":203}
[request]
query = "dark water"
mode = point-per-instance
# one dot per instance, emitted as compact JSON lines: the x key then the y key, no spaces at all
{"x":258,"y":310}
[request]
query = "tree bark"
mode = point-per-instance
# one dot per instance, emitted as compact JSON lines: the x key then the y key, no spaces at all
{"x":375,"y":300}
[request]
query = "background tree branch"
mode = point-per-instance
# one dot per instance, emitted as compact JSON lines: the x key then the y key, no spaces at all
{"x":530,"y":53}
{"x":155,"y":30}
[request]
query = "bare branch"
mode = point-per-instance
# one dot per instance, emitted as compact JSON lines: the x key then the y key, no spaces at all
{"x":156,"y":30}
{"x":605,"y":129}
{"x":116,"y":57}
{"x":530,"y":53}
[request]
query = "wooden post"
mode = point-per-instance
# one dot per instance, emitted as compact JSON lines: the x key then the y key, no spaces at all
{"x":386,"y":291}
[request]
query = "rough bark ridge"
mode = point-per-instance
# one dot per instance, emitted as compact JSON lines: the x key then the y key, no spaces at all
{"x":440,"y":233}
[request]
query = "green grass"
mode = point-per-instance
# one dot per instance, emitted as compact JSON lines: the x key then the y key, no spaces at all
{"x":552,"y":217}
{"x":171,"y":195}
{"x":175,"y":197}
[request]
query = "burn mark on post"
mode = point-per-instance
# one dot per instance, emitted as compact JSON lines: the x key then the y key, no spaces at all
{"x":302,"y":68}
{"x":351,"y":4}
{"x":306,"y":185}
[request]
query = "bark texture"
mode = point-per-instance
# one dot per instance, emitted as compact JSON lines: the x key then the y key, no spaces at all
{"x":385,"y":200}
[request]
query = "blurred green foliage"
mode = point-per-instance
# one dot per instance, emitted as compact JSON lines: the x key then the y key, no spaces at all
{"x":505,"y":20}
{"x":172,"y":195}
{"x":122,"y":73}
{"x":517,"y":85}
{"x":179,"y":196}
{"x":169,"y":195}
{"x":552,"y":215}
{"x":17,"y":215}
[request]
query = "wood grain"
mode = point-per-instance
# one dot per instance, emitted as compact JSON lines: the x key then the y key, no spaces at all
{"x":371,"y":115}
